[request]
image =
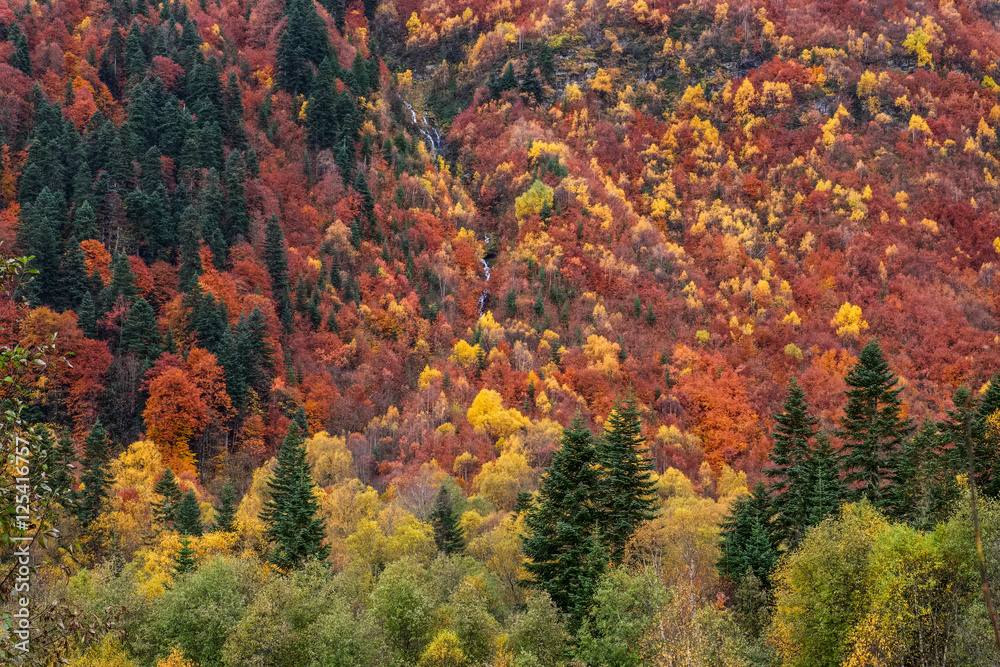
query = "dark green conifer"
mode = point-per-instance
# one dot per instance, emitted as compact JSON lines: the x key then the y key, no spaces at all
{"x":87,"y":316}
{"x":226,"y":511}
{"x":189,"y":232}
{"x":185,"y":560}
{"x":562,"y":544}
{"x":447,"y":535}
{"x":788,"y":485}
{"x":21,"y":57}
{"x":237,"y":218}
{"x":122,"y":279}
{"x":276,"y":259}
{"x":872,"y":428}
{"x":824,"y":467}
{"x":61,"y":479}
{"x":95,"y":481}
{"x":627,"y":491}
{"x":165,"y":511}
{"x":747,"y":545}
{"x":73,"y":280}
{"x":294,"y":526}
{"x":187,"y":516}
{"x":140,"y":335}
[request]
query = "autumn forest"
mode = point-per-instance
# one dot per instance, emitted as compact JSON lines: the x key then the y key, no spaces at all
{"x":499,"y":333}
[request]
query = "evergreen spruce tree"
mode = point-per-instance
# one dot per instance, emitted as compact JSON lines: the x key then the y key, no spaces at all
{"x":985,"y":439}
{"x":824,"y":467}
{"x":447,"y":536}
{"x":85,"y":222}
{"x":140,"y":335}
{"x":237,"y":218}
{"x":185,"y":560}
{"x":301,"y":421}
{"x":187,"y":516}
{"x":61,"y":479}
{"x":95,"y":481}
{"x":87,"y":316}
{"x":747,"y":544}
{"x":627,"y":491}
{"x":563,"y":545}
{"x":21,"y":57}
{"x":189,"y":232}
{"x":73,"y":279}
{"x":165,"y":511}
{"x":293,"y":525}
{"x":226,"y":512}
{"x":872,"y":429}
{"x":213,"y":206}
{"x":788,"y":485}
{"x":321,"y":115}
{"x":276,"y":259}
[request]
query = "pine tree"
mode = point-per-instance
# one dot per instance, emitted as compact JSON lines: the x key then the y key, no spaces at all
{"x":276,"y":259}
{"x":21,"y":57}
{"x":747,"y":544}
{"x":165,"y":511}
{"x":564,"y":548}
{"x":293,"y":525}
{"x":87,"y":316}
{"x":187,"y":516}
{"x":824,"y":467}
{"x":73,"y":280}
{"x":627,"y":490}
{"x":788,"y":485}
{"x":185,"y":560}
{"x":213,"y":208}
{"x":226,"y":512}
{"x":140,"y":335}
{"x":85,"y":222}
{"x":321,"y":115}
{"x":61,"y":479}
{"x":872,"y":429}
{"x":95,"y":481}
{"x":984,"y":439}
{"x":189,"y":232}
{"x":301,"y":421}
{"x":237,"y":218}
{"x":447,"y":536}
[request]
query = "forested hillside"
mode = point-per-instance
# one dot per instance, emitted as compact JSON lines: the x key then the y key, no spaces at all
{"x":511,"y":332}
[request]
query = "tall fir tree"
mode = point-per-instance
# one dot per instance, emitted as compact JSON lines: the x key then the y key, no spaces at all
{"x":165,"y":511}
{"x":276,"y":259}
{"x":140,"y":335}
{"x":187,"y":517}
{"x":21,"y":57}
{"x":61,"y":479}
{"x":95,"y":480}
{"x":189,"y":232}
{"x":872,"y":428}
{"x":824,"y":470}
{"x":985,"y":439}
{"x":788,"y":486}
{"x":627,"y":490}
{"x":294,"y":526}
{"x":447,"y":535}
{"x":225,"y":513}
{"x":186,"y":558}
{"x":747,"y":544}
{"x":563,"y":544}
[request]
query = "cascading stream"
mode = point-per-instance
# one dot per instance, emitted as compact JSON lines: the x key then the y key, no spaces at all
{"x":484,"y":296}
{"x":428,"y":131}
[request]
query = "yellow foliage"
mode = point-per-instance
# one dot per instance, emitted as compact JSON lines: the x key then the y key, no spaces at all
{"x":110,"y":652}
{"x":792,"y":318}
{"x":916,"y":44}
{"x":930,"y":225}
{"x":603,"y":81}
{"x":602,"y":354}
{"x":792,"y":350}
{"x":247,"y":522}
{"x":464,"y":354}
{"x":533,"y":200}
{"x":176,"y":659}
{"x":329,"y":458}
{"x":501,"y":480}
{"x":572,"y":93}
{"x":868,"y":84}
{"x":488,"y":414}
{"x":428,"y":376}
{"x":849,"y":321}
{"x":918,"y":124}
{"x":445,"y":650}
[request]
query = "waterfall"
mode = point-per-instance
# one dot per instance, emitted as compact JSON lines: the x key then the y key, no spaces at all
{"x":484,"y":296}
{"x":429,"y":132}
